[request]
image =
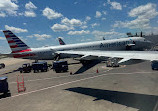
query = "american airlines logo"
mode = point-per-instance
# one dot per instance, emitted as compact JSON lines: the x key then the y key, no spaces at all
{"x":115,"y":44}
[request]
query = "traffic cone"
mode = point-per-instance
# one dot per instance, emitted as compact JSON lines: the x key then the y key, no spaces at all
{"x":97,"y":70}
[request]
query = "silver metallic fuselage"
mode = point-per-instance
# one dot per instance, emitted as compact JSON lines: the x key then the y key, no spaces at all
{"x":48,"y":53}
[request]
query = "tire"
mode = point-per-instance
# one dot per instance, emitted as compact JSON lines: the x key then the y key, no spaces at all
{"x":57,"y":71}
{"x":3,"y":65}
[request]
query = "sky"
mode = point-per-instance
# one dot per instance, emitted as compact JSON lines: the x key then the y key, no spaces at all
{"x":40,"y":22}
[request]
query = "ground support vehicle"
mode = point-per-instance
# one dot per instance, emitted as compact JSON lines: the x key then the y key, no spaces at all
{"x":40,"y":66}
{"x":60,"y":66}
{"x":4,"y":87}
{"x":112,"y":63}
{"x":154,"y":65}
{"x":26,"y":68}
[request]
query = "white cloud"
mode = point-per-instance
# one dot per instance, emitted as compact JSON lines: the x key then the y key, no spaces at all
{"x":30,"y":14}
{"x":30,"y":6}
{"x":2,"y":38}
{"x":103,"y":33}
{"x":16,"y":1}
{"x":115,"y":5}
{"x":2,"y":14}
{"x":104,"y":4}
{"x":98,"y":14}
{"x":88,"y":18}
{"x":68,"y":24}
{"x":147,"y":11}
{"x":111,"y":34}
{"x":84,"y":23}
{"x":154,"y":30}
{"x":143,"y":13}
{"x":40,"y":37}
{"x":134,"y":24}
{"x":14,"y":29}
{"x":83,"y":40}
{"x":103,"y":18}
{"x":104,"y":12}
{"x":51,"y":14}
{"x":59,"y":27}
{"x":95,"y":24}
{"x":8,"y":7}
{"x":24,"y":23}
{"x":21,"y":13}
{"x":84,"y":27}
{"x":82,"y":32}
{"x":125,"y":5}
{"x":75,"y":3}
{"x":71,"y":22}
{"x":30,"y":36}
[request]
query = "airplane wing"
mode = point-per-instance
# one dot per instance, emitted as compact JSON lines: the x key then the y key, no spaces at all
{"x":124,"y":55}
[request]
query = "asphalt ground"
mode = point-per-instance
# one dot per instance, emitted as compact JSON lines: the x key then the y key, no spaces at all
{"x":125,"y":88}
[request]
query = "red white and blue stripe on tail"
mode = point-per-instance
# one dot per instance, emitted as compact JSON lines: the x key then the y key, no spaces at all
{"x":17,"y":46}
{"x":61,"y":41}
{"x":15,"y":43}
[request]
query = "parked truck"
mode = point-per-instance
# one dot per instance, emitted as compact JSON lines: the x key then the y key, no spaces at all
{"x":40,"y":66}
{"x":60,"y":66}
{"x":26,"y":68}
{"x":4,"y":87}
{"x":154,"y":65}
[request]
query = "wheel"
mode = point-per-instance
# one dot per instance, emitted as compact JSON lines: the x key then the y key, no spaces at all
{"x":57,"y":71}
{"x":3,"y":65}
{"x":6,"y":94}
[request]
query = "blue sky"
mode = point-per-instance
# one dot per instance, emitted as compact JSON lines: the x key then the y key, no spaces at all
{"x":40,"y":22}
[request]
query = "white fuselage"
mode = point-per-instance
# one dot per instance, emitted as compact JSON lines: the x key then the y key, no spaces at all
{"x":47,"y":53}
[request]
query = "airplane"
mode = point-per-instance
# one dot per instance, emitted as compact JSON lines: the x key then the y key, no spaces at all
{"x":21,"y":50}
{"x":61,"y":42}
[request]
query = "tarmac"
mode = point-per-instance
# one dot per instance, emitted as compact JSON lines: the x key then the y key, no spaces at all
{"x":124,"y":88}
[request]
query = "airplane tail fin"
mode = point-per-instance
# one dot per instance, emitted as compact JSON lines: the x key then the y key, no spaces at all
{"x":14,"y":42}
{"x":61,"y":41}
